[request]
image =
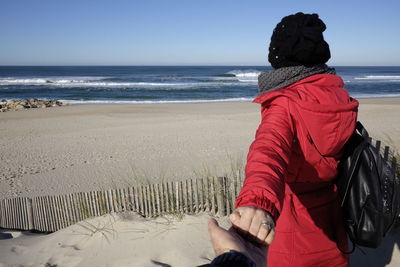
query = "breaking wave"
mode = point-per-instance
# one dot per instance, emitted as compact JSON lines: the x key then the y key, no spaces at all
{"x":379,"y":77}
{"x":246,"y":75}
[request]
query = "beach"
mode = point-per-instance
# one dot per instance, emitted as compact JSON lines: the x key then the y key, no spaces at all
{"x":91,"y":147}
{"x":79,"y":148}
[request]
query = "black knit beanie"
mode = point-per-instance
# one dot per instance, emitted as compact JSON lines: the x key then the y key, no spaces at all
{"x":298,"y":40}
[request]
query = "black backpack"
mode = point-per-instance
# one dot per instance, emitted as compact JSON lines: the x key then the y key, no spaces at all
{"x":369,"y":191}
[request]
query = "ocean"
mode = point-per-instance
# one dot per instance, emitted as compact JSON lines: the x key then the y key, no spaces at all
{"x":163,"y":84}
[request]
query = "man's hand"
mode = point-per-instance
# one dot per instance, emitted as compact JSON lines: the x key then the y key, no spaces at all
{"x":254,"y":223}
{"x":223,"y":241}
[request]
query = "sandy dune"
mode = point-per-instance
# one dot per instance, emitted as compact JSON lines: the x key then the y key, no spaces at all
{"x":126,"y":239}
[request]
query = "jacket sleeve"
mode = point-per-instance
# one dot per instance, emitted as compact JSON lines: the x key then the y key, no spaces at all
{"x":231,"y":259}
{"x":268,"y":158}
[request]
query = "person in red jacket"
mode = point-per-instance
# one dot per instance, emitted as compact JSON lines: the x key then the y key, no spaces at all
{"x":288,"y":200}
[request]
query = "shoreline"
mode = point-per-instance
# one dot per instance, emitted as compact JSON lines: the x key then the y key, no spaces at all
{"x":191,"y":101}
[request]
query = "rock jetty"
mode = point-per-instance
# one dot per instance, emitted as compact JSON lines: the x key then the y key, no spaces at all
{"x":7,"y":105}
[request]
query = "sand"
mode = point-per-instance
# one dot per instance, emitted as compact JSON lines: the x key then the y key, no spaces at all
{"x":126,"y":239}
{"x":89,"y":147}
{"x":92,"y":147}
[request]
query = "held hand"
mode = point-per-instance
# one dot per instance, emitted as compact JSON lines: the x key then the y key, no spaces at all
{"x":254,"y":224}
{"x":226,"y":240}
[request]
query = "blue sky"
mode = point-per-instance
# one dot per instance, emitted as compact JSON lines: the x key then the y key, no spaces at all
{"x":170,"y":32}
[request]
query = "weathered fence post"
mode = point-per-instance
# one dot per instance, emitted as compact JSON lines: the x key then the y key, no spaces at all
{"x":213,"y":183}
{"x":146,"y":200}
{"x":106,"y":203}
{"x":177,"y":197}
{"x":140,"y":203}
{"x":59,"y":212}
{"x":131,"y":199}
{"x":232,"y":193}
{"x":42,"y":215}
{"x":220,"y":196}
{"x":112,"y":199}
{"x":9,"y":215}
{"x":96,"y":203}
{"x":136,"y":194}
{"x":2,"y":213}
{"x":35,"y":216}
{"x":196,"y":195}
{"x":378,"y":145}
{"x":190,"y":195}
{"x":153,"y":199}
{"x":207,"y":192}
{"x":150,"y":200}
{"x":17,"y":212}
{"x":170,"y":195}
{"x":386,"y":153}
{"x":185,"y":196}
{"x":167,"y":196}
{"x":67,"y":221}
{"x":159,"y":198}
{"x":52,"y":212}
{"x":227,"y":194}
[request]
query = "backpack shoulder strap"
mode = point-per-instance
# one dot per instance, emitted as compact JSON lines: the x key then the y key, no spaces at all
{"x":361,"y":129}
{"x":350,"y":173}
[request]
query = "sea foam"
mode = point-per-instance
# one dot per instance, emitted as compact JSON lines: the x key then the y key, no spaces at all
{"x":378,"y":77}
{"x":238,"y":99}
{"x":62,"y":82}
{"x":47,"y":80}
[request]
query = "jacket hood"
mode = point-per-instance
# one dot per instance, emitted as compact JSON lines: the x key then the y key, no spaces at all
{"x":323,"y":112}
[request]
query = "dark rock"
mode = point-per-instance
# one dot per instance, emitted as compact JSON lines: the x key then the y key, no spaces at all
{"x":19,"y":107}
{"x":28,"y":103}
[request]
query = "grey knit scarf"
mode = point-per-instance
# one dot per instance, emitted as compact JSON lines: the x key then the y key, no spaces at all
{"x":282,"y":77}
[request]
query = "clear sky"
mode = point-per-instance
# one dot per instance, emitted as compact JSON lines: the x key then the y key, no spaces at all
{"x":201,"y":32}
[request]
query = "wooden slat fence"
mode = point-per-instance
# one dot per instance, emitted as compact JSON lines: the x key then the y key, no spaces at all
{"x":51,"y":213}
{"x":215,"y":195}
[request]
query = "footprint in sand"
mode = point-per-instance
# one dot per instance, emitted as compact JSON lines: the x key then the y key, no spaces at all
{"x":19,"y":250}
{"x":62,"y":260}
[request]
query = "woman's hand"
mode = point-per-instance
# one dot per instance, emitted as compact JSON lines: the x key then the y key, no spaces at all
{"x":254,"y":224}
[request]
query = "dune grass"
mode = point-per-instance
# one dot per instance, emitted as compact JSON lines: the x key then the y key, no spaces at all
{"x":105,"y":228}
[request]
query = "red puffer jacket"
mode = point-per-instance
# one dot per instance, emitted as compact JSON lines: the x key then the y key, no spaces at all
{"x":291,"y":165}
